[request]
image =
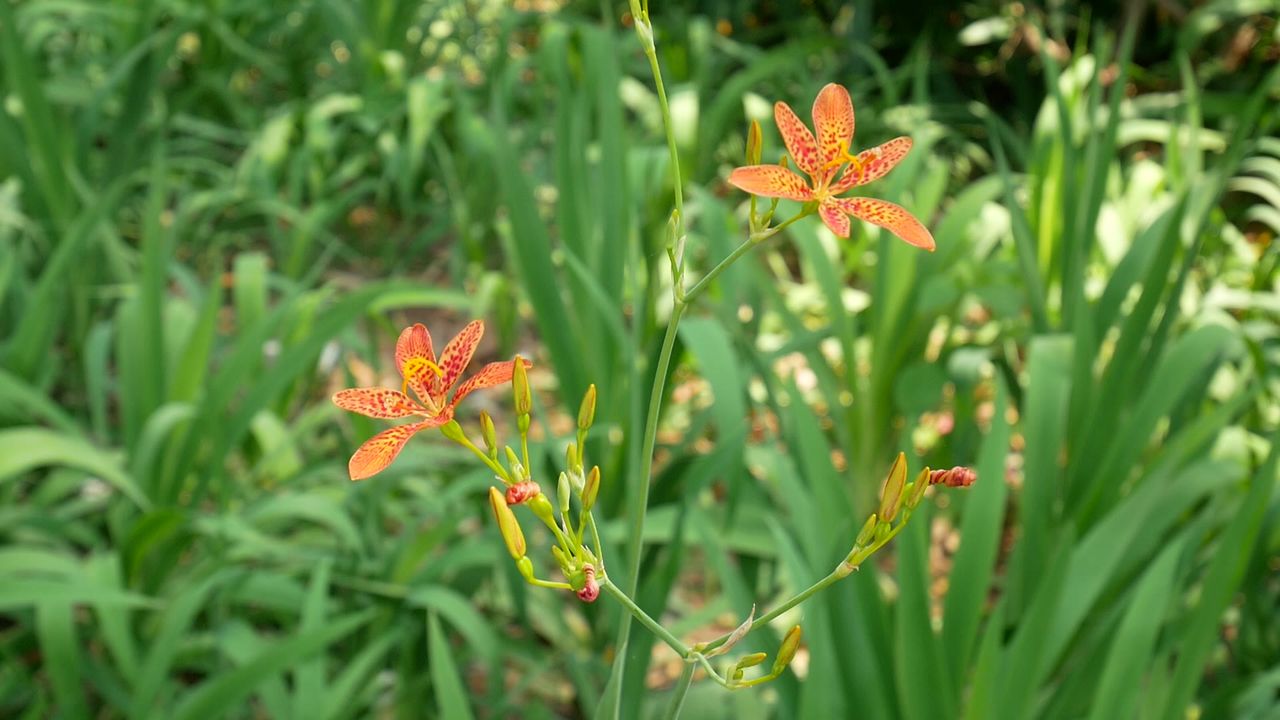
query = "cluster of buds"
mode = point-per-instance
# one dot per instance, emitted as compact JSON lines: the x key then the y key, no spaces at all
{"x":898,"y":499}
{"x":581,"y":563}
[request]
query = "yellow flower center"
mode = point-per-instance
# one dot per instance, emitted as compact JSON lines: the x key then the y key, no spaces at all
{"x":845,"y":157}
{"x":413,"y":370}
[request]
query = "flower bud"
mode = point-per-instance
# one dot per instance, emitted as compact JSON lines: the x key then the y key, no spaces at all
{"x":522,"y":492}
{"x":520,"y":384}
{"x":454,"y":432}
{"x":751,"y":660}
{"x":541,"y":507}
{"x":867,"y":533}
{"x":787,"y":651}
{"x":571,"y":455}
{"x":958,"y":476}
{"x":513,"y":462}
{"x":592,"y":489}
{"x":562,"y":494}
{"x":561,"y":559}
{"x":587,"y":411}
{"x":507,"y":524}
{"x":891,"y":495}
{"x":918,"y":486}
{"x":489,"y":433}
{"x":755,"y":143}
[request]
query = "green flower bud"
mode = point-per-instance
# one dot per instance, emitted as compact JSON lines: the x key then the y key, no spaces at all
{"x":891,"y":495}
{"x":918,"y":486}
{"x":751,"y":660}
{"x":587,"y":411}
{"x":489,"y":433}
{"x":867,"y":533}
{"x":520,"y":385}
{"x":790,"y":644}
{"x":507,"y":524}
{"x":755,"y":143}
{"x":562,"y":494}
{"x":592,"y":489}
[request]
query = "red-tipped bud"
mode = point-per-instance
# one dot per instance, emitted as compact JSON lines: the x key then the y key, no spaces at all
{"x":522,"y":492}
{"x":958,"y":476}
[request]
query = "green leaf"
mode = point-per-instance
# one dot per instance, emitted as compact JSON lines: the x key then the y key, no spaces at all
{"x":451,"y":696}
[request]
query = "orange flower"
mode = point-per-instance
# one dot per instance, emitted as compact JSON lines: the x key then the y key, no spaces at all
{"x":431,"y":380}
{"x":822,"y":158}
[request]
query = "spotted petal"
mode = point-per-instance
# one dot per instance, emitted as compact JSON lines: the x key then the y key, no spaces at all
{"x":770,"y":181}
{"x":876,"y":163}
{"x":414,"y":358}
{"x":835,"y":218}
{"x":800,"y":143}
{"x":833,"y":120}
{"x":893,"y":218}
{"x":495,"y":373}
{"x":457,"y":354}
{"x":378,"y":451}
{"x":377,"y":403}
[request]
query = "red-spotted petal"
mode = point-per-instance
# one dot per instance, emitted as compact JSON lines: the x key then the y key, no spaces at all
{"x":770,"y":181}
{"x":457,"y":354}
{"x":378,"y":451}
{"x":834,"y":218}
{"x":893,"y":218}
{"x":800,"y":142}
{"x":876,"y":163}
{"x":377,"y":403}
{"x":495,"y":373}
{"x":414,"y":358}
{"x":833,"y":121}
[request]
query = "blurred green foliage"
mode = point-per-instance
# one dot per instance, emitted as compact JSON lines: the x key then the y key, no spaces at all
{"x":212,"y":214}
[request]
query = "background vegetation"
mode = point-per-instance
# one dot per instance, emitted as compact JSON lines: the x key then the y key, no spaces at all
{"x":212,"y":214}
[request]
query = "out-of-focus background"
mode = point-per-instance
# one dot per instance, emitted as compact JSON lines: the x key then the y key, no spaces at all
{"x":215,"y":213}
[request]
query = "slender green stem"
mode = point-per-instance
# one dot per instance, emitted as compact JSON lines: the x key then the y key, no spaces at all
{"x":552,"y":584}
{"x":755,"y":239}
{"x":493,"y":464}
{"x":679,"y":692}
{"x":639,"y":614}
{"x":791,"y":602}
{"x":842,"y":571}
{"x":595,"y":537}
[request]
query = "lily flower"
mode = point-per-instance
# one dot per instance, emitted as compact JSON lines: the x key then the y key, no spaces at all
{"x":431,"y":379}
{"x":822,"y":159}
